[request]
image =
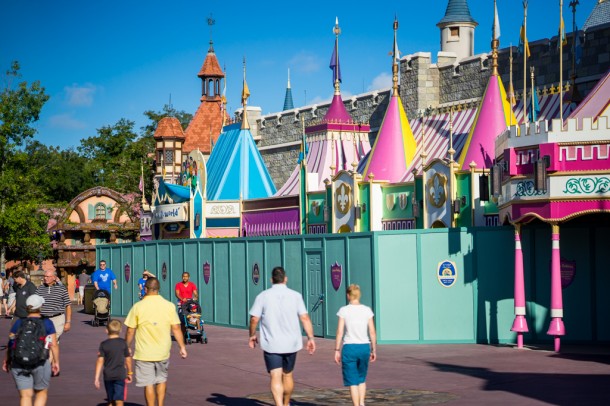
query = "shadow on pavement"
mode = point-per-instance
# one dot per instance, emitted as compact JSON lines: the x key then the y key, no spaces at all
{"x":553,"y":387}
{"x":220,"y":399}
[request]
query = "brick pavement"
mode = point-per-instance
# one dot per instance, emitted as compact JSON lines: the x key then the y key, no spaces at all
{"x":226,"y":372}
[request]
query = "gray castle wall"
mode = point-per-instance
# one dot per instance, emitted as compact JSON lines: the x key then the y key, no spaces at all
{"x":424,"y":83}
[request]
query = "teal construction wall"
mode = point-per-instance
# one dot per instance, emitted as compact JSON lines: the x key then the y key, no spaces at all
{"x":397,"y":272}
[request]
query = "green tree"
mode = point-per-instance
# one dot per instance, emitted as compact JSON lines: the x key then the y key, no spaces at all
{"x":20,"y":106}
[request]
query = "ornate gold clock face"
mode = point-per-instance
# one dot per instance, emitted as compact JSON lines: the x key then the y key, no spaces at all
{"x":437,"y":190}
{"x":343,"y":198}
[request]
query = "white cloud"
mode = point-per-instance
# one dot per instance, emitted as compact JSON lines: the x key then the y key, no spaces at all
{"x":80,"y":95}
{"x":305,"y":62}
{"x":66,"y":122}
{"x":381,"y":81}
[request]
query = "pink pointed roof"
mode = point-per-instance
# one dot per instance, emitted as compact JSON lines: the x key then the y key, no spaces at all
{"x":493,"y":116}
{"x":337,"y":111}
{"x":394,"y":148}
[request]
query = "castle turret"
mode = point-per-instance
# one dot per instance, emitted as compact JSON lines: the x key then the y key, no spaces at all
{"x":169,"y":139}
{"x":206,"y":125}
{"x":457,"y":29}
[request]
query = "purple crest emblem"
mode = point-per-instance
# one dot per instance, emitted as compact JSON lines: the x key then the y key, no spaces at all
{"x":127,"y":272}
{"x":164,"y":271}
{"x":568,"y":272}
{"x":207,"y":271}
{"x":256,"y":275}
{"x":336,"y":275}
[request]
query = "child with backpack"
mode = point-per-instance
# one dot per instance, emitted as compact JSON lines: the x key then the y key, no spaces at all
{"x":114,"y":358}
{"x":27,"y":357}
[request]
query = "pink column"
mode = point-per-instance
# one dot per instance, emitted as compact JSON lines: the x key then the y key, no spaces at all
{"x":520,"y":323}
{"x":556,"y":328}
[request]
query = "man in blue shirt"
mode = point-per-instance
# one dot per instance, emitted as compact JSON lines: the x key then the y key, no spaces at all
{"x":103,"y":277}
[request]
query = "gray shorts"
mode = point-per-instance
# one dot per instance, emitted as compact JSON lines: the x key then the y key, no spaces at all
{"x":151,"y":372}
{"x":37,"y":379}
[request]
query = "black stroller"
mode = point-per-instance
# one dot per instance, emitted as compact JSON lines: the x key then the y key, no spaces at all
{"x":192,"y":323}
{"x":101,"y":306}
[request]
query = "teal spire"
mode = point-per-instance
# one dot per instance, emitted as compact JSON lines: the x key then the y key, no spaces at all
{"x":288,"y":104}
{"x":457,"y":12}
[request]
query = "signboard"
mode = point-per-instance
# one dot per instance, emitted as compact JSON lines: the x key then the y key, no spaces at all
{"x":215,"y":210}
{"x":336,"y":275}
{"x":145,"y":226}
{"x":446,"y":273}
{"x":256,"y":274}
{"x":207,"y":271}
{"x":170,"y":213}
{"x":127,"y":272}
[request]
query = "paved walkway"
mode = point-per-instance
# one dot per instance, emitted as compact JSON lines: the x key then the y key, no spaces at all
{"x":226,"y":372}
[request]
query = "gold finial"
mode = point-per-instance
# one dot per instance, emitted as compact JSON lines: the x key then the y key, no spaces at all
{"x":495,"y":41}
{"x":395,"y":58}
{"x":244,"y":100}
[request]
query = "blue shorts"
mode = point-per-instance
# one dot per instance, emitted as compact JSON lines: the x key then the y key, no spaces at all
{"x":355,"y":363}
{"x":115,"y":390}
{"x":284,"y":361}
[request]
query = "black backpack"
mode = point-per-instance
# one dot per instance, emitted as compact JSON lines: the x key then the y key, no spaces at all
{"x":29,"y":349}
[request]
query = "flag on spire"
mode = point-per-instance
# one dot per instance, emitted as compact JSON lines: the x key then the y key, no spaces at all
{"x":561,"y":40}
{"x":511,"y":95}
{"x":395,"y":51}
{"x":141,"y":185}
{"x":535,"y":107}
{"x":245,"y":92}
{"x":524,"y":45}
{"x":577,"y":47}
{"x":334,"y":59}
{"x":496,"y":25}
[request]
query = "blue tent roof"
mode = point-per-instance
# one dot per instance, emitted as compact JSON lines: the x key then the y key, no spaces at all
{"x":457,"y":12}
{"x":236,"y":168}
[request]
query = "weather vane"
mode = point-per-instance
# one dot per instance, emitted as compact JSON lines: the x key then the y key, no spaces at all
{"x":211,"y":22}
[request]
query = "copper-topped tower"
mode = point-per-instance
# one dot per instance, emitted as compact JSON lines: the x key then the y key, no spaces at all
{"x":206,"y":125}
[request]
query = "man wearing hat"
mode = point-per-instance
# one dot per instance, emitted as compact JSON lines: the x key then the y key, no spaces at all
{"x":33,"y":383}
{"x":23,"y":289}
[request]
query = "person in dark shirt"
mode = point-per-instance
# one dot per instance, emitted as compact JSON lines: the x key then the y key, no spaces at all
{"x":115,"y":360}
{"x":23,"y":289}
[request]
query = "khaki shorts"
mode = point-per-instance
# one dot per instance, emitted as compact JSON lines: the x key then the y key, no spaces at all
{"x":151,"y":372}
{"x":59,"y":322}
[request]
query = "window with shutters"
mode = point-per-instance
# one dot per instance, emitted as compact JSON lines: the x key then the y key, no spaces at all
{"x":100,"y":211}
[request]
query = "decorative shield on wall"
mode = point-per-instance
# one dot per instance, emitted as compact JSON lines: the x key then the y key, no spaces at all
{"x":402,"y":201}
{"x":568,"y":271}
{"x":315,"y":207}
{"x":127,"y":272}
{"x":390,"y":201}
{"x":164,"y":271}
{"x":336,"y":275}
{"x":256,"y":274}
{"x":207,"y":271}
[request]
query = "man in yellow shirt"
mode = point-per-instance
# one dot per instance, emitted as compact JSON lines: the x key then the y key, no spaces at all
{"x":151,"y":321}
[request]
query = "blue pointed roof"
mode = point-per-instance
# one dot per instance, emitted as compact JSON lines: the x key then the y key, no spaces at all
{"x":236,"y":168}
{"x":599,"y":16}
{"x":288,"y":104}
{"x":457,"y":12}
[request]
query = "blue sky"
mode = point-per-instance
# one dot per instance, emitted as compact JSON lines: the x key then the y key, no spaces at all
{"x":102,"y":61}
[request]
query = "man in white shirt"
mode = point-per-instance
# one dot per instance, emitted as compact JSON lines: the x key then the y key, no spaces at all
{"x":279,"y":310}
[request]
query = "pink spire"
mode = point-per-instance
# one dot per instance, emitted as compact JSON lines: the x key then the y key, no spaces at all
{"x":394,"y":147}
{"x":337,"y":111}
{"x":492,"y":118}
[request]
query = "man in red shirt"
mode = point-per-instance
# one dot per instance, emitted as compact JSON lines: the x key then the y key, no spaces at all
{"x":186,"y":290}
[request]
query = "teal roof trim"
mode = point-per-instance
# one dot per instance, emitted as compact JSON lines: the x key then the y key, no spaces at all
{"x":457,"y":12}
